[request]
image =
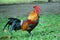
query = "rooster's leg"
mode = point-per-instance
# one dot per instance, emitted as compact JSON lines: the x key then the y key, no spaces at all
{"x":30,"y":34}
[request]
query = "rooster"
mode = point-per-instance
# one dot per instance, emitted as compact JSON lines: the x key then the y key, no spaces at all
{"x":27,"y":25}
{"x":32,"y":20}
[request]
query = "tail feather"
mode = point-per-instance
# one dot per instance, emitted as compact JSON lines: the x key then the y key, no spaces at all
{"x":5,"y":25}
{"x":12,"y":27}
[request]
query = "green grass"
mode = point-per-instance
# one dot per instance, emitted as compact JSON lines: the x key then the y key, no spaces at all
{"x":13,"y":1}
{"x":21,"y":1}
{"x":47,"y":29}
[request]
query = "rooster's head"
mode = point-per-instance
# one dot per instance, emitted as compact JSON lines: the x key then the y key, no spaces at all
{"x":36,"y":8}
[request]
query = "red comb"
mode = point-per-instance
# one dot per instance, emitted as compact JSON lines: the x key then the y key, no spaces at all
{"x":36,"y":6}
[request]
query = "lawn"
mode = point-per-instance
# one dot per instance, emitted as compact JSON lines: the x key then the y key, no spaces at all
{"x":17,"y":1}
{"x":23,"y":1}
{"x":47,"y":29}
